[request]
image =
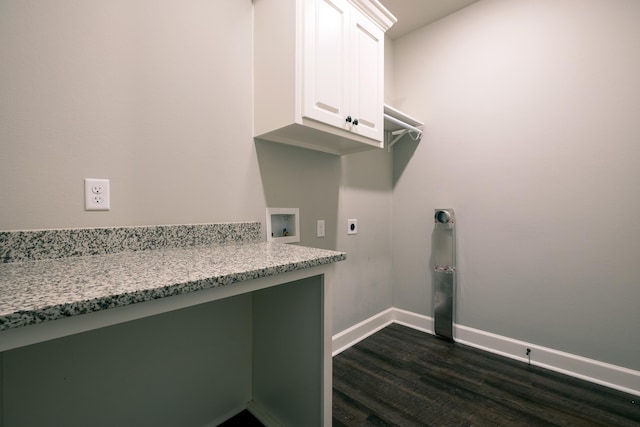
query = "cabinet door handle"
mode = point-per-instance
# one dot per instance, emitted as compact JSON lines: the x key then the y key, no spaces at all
{"x":355,"y":122}
{"x":348,"y":119}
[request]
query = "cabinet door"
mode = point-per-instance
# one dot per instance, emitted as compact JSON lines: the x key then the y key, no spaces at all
{"x":326,"y":61}
{"x":366,"y":80}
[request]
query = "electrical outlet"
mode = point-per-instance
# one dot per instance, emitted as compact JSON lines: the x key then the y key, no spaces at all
{"x":320,"y":228}
{"x":96,"y":195}
{"x":352,"y":226}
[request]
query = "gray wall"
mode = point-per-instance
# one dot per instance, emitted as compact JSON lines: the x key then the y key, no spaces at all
{"x":363,"y":281}
{"x":528,"y":106}
{"x":164,"y":370}
{"x":157,"y":97}
{"x":532,"y":130}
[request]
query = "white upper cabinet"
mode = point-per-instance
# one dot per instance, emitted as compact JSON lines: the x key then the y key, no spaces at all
{"x":367,"y":77}
{"x":327,"y":62}
{"x":319,"y":73}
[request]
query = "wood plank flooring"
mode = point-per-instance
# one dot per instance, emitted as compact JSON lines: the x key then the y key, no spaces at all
{"x":403,"y":377}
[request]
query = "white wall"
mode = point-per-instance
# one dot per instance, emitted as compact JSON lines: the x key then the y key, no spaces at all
{"x":363,"y":286}
{"x":335,"y":189}
{"x":154,"y":97}
{"x":157,"y":97}
{"x":531,"y":113}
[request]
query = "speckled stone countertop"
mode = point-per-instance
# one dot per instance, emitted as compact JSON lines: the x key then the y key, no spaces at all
{"x":41,"y":290}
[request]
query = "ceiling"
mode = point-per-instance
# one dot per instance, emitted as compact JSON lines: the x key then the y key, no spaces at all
{"x":414,"y":14}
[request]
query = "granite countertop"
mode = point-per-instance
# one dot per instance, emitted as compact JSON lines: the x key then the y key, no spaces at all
{"x":36,"y":291}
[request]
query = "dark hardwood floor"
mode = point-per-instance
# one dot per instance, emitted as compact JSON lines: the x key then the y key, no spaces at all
{"x":403,"y":377}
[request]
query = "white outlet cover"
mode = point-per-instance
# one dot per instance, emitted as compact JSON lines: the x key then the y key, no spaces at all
{"x":320,"y":228}
{"x":352,"y":226}
{"x":97,"y":195}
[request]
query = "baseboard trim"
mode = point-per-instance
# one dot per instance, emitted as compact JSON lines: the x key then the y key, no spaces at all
{"x":413,"y":320}
{"x":606,"y":374}
{"x":353,"y":335}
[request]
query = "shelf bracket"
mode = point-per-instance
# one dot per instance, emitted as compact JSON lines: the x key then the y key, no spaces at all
{"x":398,"y":134}
{"x":393,"y":116}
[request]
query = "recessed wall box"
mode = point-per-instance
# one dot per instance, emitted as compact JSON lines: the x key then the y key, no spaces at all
{"x":283,"y":225}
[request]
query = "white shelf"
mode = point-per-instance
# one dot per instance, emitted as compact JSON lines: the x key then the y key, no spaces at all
{"x":397,"y":124}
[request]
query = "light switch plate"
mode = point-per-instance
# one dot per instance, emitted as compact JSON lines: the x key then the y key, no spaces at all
{"x":320,"y":228}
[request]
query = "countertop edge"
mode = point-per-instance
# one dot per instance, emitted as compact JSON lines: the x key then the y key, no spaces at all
{"x":46,"y":313}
